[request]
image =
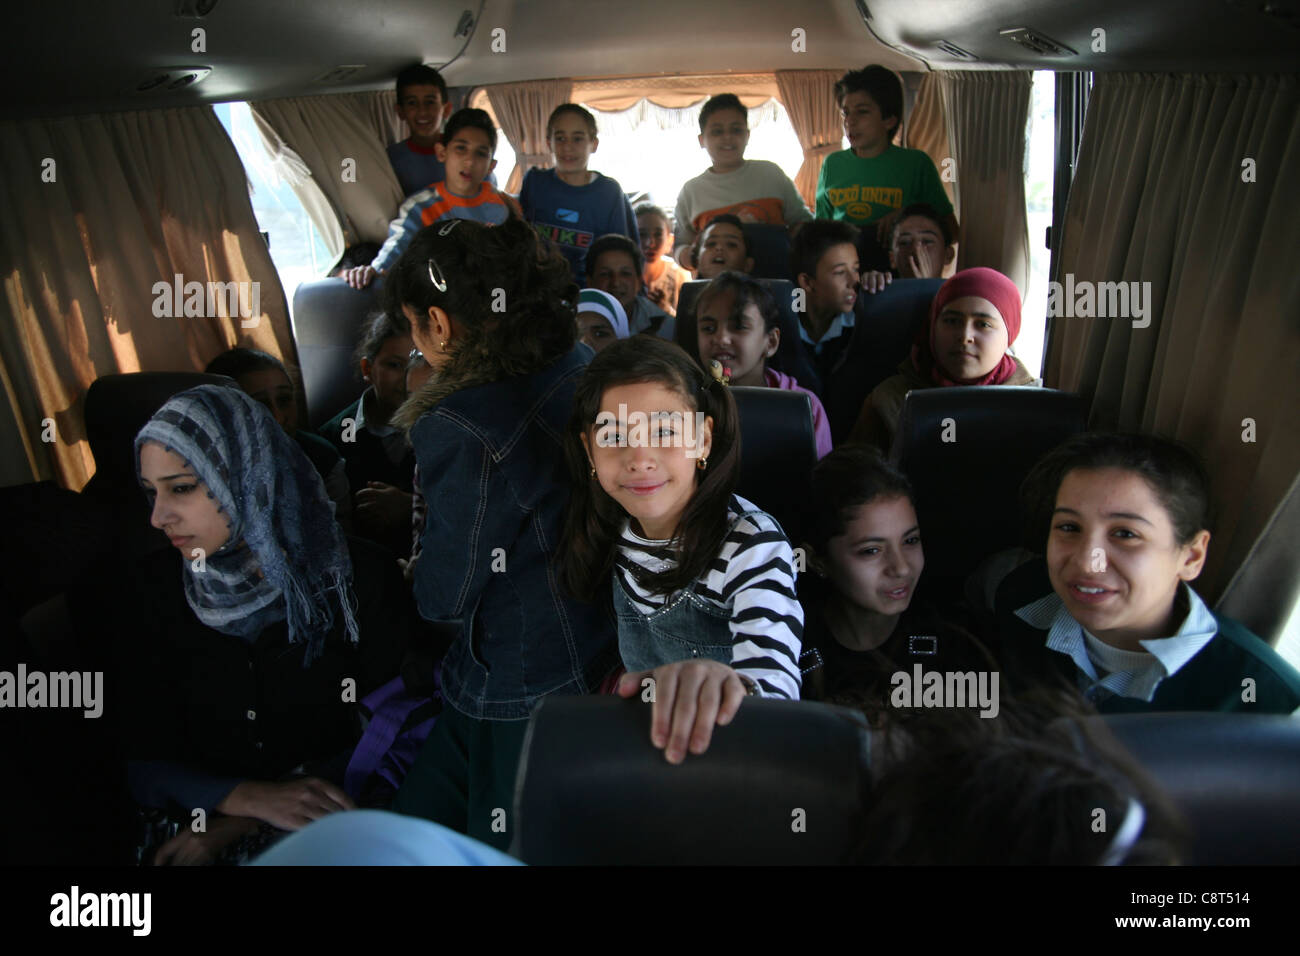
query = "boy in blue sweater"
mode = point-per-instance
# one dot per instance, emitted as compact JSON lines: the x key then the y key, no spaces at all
{"x":570,"y":205}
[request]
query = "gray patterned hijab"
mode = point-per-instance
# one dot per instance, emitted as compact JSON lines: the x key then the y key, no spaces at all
{"x":281,"y":523}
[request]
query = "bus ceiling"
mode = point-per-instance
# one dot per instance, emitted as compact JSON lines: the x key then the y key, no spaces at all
{"x":88,"y":56}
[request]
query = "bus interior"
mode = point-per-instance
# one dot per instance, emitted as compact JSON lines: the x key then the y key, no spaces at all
{"x":1141,"y":151}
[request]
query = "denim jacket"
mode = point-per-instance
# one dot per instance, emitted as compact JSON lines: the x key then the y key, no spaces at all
{"x":493,"y":476}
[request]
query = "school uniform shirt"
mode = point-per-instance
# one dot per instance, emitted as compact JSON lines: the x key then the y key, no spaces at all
{"x":418,"y":167}
{"x":752,"y":578}
{"x":572,"y":217}
{"x":377,"y":451}
{"x":865,"y":678}
{"x":861,"y":191}
{"x":826,"y":353}
{"x":1202,"y":666}
{"x":644,"y":314}
{"x":430,"y":205}
{"x":821,"y":425}
{"x":759,"y":191}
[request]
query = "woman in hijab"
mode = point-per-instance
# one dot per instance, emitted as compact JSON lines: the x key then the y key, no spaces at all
{"x":974,"y":321}
{"x":244,"y":663}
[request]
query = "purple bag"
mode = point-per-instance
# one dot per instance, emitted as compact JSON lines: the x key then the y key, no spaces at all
{"x":400,"y":722}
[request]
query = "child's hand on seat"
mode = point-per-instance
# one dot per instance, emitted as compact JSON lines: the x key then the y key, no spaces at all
{"x":689,"y":698}
{"x":876,"y":281}
{"x":359,"y":276}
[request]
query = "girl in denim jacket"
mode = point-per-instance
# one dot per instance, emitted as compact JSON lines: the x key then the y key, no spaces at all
{"x":702,"y":580}
{"x":492,"y":312}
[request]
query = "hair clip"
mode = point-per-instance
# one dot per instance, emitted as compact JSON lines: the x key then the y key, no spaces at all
{"x":719,"y":372}
{"x":448,"y":226}
{"x":436,"y":276}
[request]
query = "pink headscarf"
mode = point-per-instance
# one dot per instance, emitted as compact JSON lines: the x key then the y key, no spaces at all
{"x":986,"y":284}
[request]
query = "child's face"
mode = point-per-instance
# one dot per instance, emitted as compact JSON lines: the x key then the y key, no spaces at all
{"x":725,"y":136}
{"x":424,"y":111}
{"x":834,"y":289}
{"x":722,"y":247}
{"x":387,"y":372}
{"x":571,"y":142}
{"x":595,"y":330}
{"x":864,"y":125}
{"x":970,"y":338}
{"x":652,"y":484}
{"x":468,"y":159}
{"x":273,"y":389}
{"x":656,"y":237}
{"x":1113,"y":559}
{"x":615,"y":272}
{"x":877,"y":561}
{"x":739,"y":342}
{"x":182,"y":508}
{"x":921,"y":238}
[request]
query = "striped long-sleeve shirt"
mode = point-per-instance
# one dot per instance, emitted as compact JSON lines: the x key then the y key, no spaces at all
{"x":428,"y":206}
{"x":753,"y":578}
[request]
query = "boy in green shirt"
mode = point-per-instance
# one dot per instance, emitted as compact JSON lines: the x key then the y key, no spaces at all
{"x":869,"y":183}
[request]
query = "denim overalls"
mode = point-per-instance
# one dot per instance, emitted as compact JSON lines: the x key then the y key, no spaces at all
{"x":686,"y":627}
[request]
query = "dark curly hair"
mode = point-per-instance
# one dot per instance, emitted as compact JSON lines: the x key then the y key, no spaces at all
{"x":510,"y":296}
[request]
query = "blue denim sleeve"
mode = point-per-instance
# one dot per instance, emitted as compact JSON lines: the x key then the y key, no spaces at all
{"x":468,"y":509}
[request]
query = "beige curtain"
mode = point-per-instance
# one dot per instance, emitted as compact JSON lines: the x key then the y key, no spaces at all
{"x":1186,"y":184}
{"x":98,"y":209}
{"x":342,"y":142}
{"x":985,"y":113}
{"x":522,"y":109}
{"x":809,"y":100}
{"x":927,"y":130}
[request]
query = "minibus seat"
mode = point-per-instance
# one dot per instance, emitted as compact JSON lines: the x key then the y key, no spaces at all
{"x":967,"y":487}
{"x":778,"y":450}
{"x":784,"y":783}
{"x":789,"y":357}
{"x":1234,"y":777}
{"x":53,"y":537}
{"x":769,"y":245}
{"x":885,"y":325}
{"x":327,"y":318}
{"x":117,"y":407}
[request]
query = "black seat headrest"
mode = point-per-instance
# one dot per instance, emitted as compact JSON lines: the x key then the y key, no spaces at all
{"x":784,"y":783}
{"x":995,"y":436}
{"x":1234,"y":777}
{"x":885,"y":326}
{"x":769,"y":245}
{"x":327,"y":320}
{"x":117,"y":407}
{"x":778,"y":450}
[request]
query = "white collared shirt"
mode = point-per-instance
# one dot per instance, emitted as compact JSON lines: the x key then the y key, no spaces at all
{"x":393,"y":439}
{"x":837,"y":327}
{"x":1138,"y":674}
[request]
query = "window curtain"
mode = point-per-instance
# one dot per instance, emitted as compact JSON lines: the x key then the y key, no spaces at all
{"x":809,"y":100}
{"x":132,"y":199}
{"x":1186,"y":184}
{"x":324,"y":133}
{"x":522,"y":109}
{"x":927,"y":130}
{"x":985,"y":113}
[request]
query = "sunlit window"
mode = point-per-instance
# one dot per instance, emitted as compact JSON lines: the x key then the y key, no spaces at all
{"x":299,"y":253}
{"x":1040,"y":143}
